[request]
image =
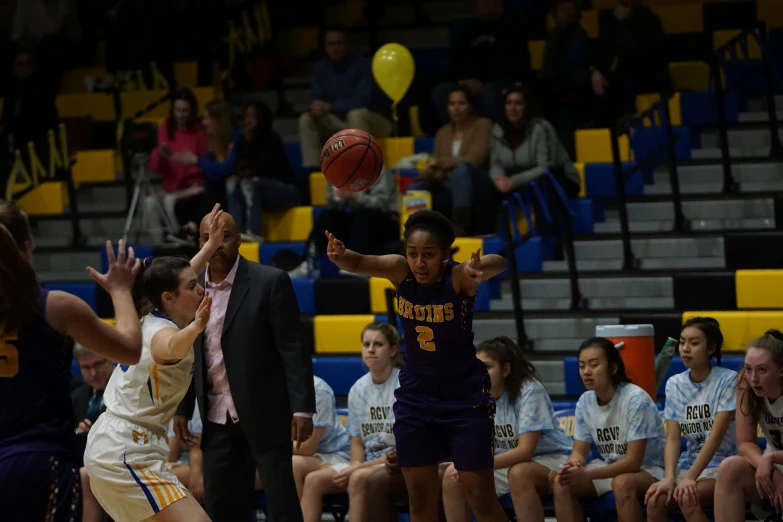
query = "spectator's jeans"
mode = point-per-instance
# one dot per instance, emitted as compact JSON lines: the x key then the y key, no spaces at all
{"x":155,"y":220}
{"x":248,"y":198}
{"x":459,"y":191}
{"x":490,"y":100}
{"x":313,"y":132}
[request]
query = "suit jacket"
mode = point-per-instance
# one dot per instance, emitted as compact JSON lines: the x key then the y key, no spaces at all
{"x":269,"y":370}
{"x":80,"y":398}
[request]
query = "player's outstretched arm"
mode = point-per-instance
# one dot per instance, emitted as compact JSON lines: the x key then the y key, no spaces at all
{"x":217,"y":226}
{"x":169,"y":345}
{"x":476,"y":270}
{"x":391,"y":267}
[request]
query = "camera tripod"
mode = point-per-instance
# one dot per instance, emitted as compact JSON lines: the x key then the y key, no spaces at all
{"x":144,"y":192}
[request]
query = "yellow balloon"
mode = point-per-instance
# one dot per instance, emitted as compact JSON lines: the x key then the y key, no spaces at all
{"x":393,"y":69}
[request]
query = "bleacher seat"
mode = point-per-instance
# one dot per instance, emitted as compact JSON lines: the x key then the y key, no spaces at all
{"x":689,"y":76}
{"x":394,"y":149}
{"x":378,"y":288}
{"x":94,"y":166}
{"x":739,"y":328}
{"x":595,"y":146}
{"x":305,"y":294}
{"x":98,"y":106}
{"x":680,"y":18}
{"x":770,"y":12}
{"x":339,"y":334}
{"x":600,"y":182}
{"x":291,"y":225}
{"x":339,"y":372}
{"x":84,"y":291}
{"x":267,"y":250}
{"x":47,"y":199}
{"x":721,"y":37}
{"x":318,"y":189}
{"x":759,"y":288}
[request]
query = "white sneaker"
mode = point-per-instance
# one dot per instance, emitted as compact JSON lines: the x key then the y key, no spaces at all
{"x":300,"y":272}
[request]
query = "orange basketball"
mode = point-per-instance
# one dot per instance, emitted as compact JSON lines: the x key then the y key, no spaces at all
{"x":351,"y":160}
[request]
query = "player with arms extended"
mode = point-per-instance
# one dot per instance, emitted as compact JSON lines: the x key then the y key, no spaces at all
{"x":444,"y":409}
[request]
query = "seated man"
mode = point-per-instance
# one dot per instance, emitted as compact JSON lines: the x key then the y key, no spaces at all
{"x":341,"y":98}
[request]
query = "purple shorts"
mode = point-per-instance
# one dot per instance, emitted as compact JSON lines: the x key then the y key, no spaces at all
{"x":437,"y":420}
{"x":38,"y":487}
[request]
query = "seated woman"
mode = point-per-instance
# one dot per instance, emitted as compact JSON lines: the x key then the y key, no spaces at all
{"x":530,"y":446}
{"x":700,"y":406}
{"x":756,"y":475}
{"x":328,"y":445}
{"x":624,"y":423}
{"x":181,"y":133}
{"x":186,"y":462}
{"x":367,"y":220}
{"x":370,"y":421}
{"x":524,"y":149}
{"x":256,"y":171}
{"x":457,"y":176}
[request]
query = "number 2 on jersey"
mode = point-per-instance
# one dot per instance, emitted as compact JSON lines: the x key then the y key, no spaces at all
{"x":777,"y":438}
{"x":9,"y":357}
{"x":425,"y":338}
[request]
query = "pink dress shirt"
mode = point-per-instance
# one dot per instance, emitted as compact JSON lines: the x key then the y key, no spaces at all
{"x":219,"y":400}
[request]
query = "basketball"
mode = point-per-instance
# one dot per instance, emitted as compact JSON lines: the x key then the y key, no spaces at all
{"x":351,"y":160}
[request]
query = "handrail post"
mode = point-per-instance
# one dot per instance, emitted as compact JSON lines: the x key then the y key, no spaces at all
{"x":513,"y":278}
{"x":76,"y":229}
{"x":729,"y":185}
{"x":629,"y":262}
{"x":775,"y":148}
{"x":671,"y":153}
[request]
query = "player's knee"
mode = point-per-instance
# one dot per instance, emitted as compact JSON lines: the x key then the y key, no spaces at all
{"x":357,"y":119}
{"x":624,"y":487}
{"x":691,"y":512}
{"x":732,"y":470}
{"x":314,"y":483}
{"x":657,"y":506}
{"x":520,"y":477}
{"x":561,"y":490}
{"x":357,"y":483}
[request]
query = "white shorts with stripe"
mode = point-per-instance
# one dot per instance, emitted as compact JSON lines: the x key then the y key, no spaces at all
{"x":127,"y":468}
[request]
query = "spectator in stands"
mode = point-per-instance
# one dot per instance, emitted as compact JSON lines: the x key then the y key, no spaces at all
{"x":368,"y":220}
{"x":186,"y":461}
{"x":565,"y":76}
{"x":370,"y":403}
{"x":527,"y":156}
{"x":181,"y":132}
{"x":530,"y":445}
{"x":329,"y":444}
{"x":491,"y":54}
{"x":457,"y":176}
{"x":341,"y":98}
{"x":632,"y":58}
{"x":29,"y":111}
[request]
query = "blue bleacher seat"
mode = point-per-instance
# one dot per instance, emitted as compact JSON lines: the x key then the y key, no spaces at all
{"x":87,"y":292}
{"x":582,"y":216}
{"x":141,"y":252}
{"x":599,"y":180}
{"x":304,"y":288}
{"x":698,"y":108}
{"x":267,"y":250}
{"x":648,"y":139}
{"x":339,"y":372}
{"x":75,"y":370}
{"x":424,"y":144}
{"x":295,"y":157}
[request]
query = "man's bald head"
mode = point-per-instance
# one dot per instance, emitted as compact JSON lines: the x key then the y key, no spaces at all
{"x":226,"y":255}
{"x":228,"y":219}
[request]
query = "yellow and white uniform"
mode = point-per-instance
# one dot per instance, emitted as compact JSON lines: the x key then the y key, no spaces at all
{"x":127,"y":447}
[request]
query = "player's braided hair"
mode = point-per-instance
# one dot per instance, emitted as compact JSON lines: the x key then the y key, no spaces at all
{"x":432,"y":222}
{"x":18,"y":282}
{"x":711,"y":330}
{"x":505,"y":351}
{"x":772,"y":342}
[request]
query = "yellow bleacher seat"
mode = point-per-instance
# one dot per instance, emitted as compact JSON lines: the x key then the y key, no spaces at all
{"x":348,"y":13}
{"x":250,"y":251}
{"x":536,"y":48}
{"x":759,"y":289}
{"x":770,"y":11}
{"x":157,"y":121}
{"x":339,"y":333}
{"x":466,"y":245}
{"x":299,"y":42}
{"x":186,"y":74}
{"x":204,"y":95}
{"x":721,"y":37}
{"x":595,"y":146}
{"x":134,"y":101}
{"x":413,"y":114}
{"x":99,"y":106}
{"x":690,"y":76}
{"x":394,"y":149}
{"x":580,"y":169}
{"x":680,"y":18}
{"x":378,"y":286}
{"x":49,"y":198}
{"x":72,"y":82}
{"x":589,"y":23}
{"x":739,"y":328}
{"x":644,"y":101}
{"x":317,"y":189}
{"x":291,"y":225}
{"x":343,"y":420}
{"x":94,"y":165}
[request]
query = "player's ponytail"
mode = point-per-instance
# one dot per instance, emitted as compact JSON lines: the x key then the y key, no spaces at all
{"x":156,"y":277}
{"x":505,"y":351}
{"x":771,"y":342}
{"x":18,"y":283}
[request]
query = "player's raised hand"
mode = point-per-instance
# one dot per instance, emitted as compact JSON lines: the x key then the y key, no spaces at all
{"x":336,"y":249}
{"x":473,"y":266}
{"x":202,"y":314}
{"x":216,"y":226}
{"x":122,"y":269}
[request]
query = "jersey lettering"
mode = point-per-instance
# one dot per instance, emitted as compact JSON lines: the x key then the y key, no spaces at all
{"x":9,"y":356}
{"x":425,"y":338}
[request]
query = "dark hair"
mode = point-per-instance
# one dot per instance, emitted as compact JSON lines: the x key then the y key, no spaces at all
{"x":772,"y":342}
{"x":184,"y":94}
{"x":157,"y":276}
{"x":469,"y":96}
{"x":392,"y":336}
{"x":333,"y":29}
{"x":265,"y":118}
{"x":505,"y":351}
{"x":433,"y":222}
{"x":711,"y":330}
{"x":18,"y":286}
{"x":530,"y":116}
{"x":612,"y":355}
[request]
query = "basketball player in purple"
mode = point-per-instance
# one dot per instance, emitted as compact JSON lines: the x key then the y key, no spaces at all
{"x":444,"y":409}
{"x":39,"y":470}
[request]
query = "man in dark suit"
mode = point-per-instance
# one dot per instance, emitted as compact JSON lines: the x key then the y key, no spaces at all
{"x":87,"y":398}
{"x":254,"y":382}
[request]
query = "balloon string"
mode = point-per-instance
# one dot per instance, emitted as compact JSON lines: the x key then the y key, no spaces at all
{"x":394,"y":120}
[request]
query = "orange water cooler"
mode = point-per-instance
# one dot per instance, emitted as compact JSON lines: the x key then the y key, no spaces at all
{"x":638,"y":353}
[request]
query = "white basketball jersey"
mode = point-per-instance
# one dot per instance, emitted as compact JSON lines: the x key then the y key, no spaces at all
{"x":148,"y":393}
{"x":771,"y":422}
